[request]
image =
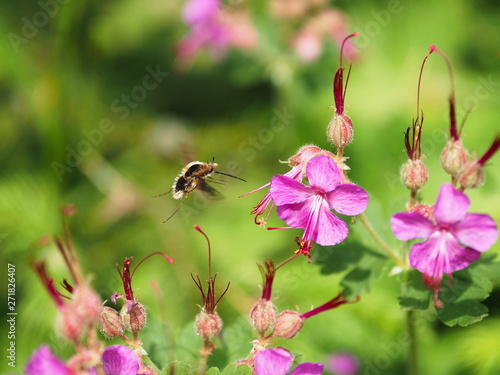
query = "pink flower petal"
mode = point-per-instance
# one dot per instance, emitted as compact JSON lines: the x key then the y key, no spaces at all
{"x":43,"y":362}
{"x":319,"y":223}
{"x":285,"y":190}
{"x":273,"y":362}
{"x":323,"y":173}
{"x":441,"y":254}
{"x":196,"y":11}
{"x":409,"y":226}
{"x":295,"y":215}
{"x":330,"y":230}
{"x":348,"y":199}
{"x":478,"y":231}
{"x":308,"y":368}
{"x":451,"y":205}
{"x":120,"y":360}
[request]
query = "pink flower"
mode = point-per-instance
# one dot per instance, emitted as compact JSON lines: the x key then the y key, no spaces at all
{"x":298,"y":163}
{"x":207,"y":29}
{"x":44,"y":362}
{"x":343,"y":364}
{"x":116,"y":360}
{"x":309,"y":207}
{"x":453,"y":238}
{"x":119,"y":360}
{"x":278,"y":361}
{"x":215,"y":29}
{"x":200,"y":11}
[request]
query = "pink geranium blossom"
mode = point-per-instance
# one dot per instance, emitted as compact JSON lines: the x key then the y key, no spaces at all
{"x":214,"y":28}
{"x":44,"y":362}
{"x":278,"y":361}
{"x":309,"y":207}
{"x":453,"y":238}
{"x":116,"y":360}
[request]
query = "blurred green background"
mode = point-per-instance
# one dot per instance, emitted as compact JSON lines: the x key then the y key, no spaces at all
{"x":62,"y":91}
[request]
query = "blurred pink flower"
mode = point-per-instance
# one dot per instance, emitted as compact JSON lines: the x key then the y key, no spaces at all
{"x":199,"y":11}
{"x":343,"y":363}
{"x":453,"y":238}
{"x":214,"y":28}
{"x":307,"y":44}
{"x":44,"y":362}
{"x":328,"y":23}
{"x":116,"y":360}
{"x":278,"y":361}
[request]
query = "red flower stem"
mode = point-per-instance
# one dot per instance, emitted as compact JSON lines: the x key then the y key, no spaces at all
{"x":286,"y":261}
{"x":491,"y":151}
{"x":336,"y":302}
{"x":432,"y":49}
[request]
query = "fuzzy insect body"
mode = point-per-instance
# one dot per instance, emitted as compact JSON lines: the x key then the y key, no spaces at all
{"x":194,"y":176}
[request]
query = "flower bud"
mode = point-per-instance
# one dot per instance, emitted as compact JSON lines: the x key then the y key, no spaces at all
{"x":414,"y":174}
{"x":340,"y":131}
{"x":133,"y":319}
{"x":288,"y":324}
{"x":304,"y":154}
{"x":471,"y":175}
{"x":71,"y":322}
{"x":87,"y":302}
{"x":263,"y":315}
{"x":424,"y":210}
{"x":207,"y":325}
{"x":110,"y":323}
{"x":453,"y":157}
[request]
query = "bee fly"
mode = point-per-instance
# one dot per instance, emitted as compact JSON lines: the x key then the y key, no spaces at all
{"x":194,"y":176}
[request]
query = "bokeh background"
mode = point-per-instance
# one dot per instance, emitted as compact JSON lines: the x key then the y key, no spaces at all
{"x":77,"y":126}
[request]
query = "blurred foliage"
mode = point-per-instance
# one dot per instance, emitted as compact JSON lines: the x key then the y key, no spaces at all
{"x":72,"y":132}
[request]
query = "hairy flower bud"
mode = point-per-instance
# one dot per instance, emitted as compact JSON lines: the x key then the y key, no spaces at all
{"x":263,"y":315}
{"x":340,"y":131}
{"x":87,"y":302}
{"x":110,"y":323}
{"x":134,"y":318}
{"x":207,"y":325}
{"x":304,"y":154}
{"x":471,"y":176}
{"x":288,"y":324}
{"x":453,"y":157}
{"x":71,"y":323}
{"x":414,"y":174}
{"x":424,"y":210}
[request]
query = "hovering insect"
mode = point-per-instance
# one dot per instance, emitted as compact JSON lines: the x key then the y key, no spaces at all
{"x":194,"y":176}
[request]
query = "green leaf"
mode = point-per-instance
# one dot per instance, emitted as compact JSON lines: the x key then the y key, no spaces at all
{"x":213,"y":371}
{"x":363,"y":265}
{"x":415,"y":295}
{"x":237,"y":338}
{"x":461,"y":295}
{"x":237,"y":370}
{"x":470,"y":286}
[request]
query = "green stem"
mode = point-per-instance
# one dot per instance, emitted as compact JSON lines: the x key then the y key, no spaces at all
{"x":413,"y":368}
{"x":148,"y":362}
{"x":387,"y":250}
